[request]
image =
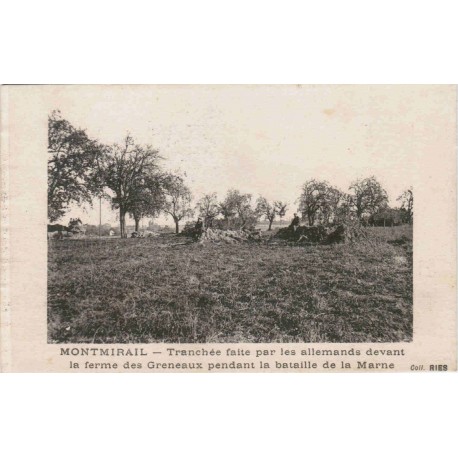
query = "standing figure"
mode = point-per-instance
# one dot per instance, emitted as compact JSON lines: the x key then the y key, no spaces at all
{"x":198,"y":229}
{"x":295,"y":223}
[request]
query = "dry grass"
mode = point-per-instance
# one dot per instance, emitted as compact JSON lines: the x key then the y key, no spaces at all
{"x":167,"y":290}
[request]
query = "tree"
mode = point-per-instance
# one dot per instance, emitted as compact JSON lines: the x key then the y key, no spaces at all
{"x":72,"y":166}
{"x":148,"y":198}
{"x":270,"y":211}
{"x":208,"y":208}
{"x":319,"y":200}
{"x":368,"y":197}
{"x":126,"y":168}
{"x":227,"y":209}
{"x":332,"y":200}
{"x":344,"y":210}
{"x":236,"y":209}
{"x":387,"y":217}
{"x":177,"y":199}
{"x":406,"y":200}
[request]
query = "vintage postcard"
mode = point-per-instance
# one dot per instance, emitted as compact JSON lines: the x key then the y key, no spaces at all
{"x":219,"y":228}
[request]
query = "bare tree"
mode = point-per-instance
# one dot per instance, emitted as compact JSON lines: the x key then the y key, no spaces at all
{"x":406,"y":200}
{"x":177,"y":199}
{"x":270,"y":210}
{"x":208,"y":208}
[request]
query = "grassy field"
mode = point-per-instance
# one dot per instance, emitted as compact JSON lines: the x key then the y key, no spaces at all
{"x":167,"y":289}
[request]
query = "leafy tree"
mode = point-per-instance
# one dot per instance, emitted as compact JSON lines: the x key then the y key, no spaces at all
{"x":177,"y":199}
{"x":208,"y":208}
{"x":126,"y":171}
{"x":368,"y":197}
{"x":270,"y":210}
{"x":319,"y":201}
{"x":406,"y":200}
{"x":236,"y":209}
{"x":227,"y":209}
{"x":148,"y":198}
{"x":332,"y":200}
{"x":72,"y":166}
{"x":344,"y":210}
{"x":387,"y":217}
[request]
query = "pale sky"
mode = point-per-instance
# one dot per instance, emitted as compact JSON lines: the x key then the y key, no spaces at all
{"x":263,"y":140}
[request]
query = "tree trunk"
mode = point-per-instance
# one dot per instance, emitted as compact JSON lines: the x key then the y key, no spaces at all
{"x":270,"y":224}
{"x":177,"y":225}
{"x":137,"y":224}
{"x":122,"y":222}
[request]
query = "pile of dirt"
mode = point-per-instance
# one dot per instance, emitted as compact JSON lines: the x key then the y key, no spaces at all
{"x":142,"y":234}
{"x":229,"y":236}
{"x":346,"y":233}
{"x":403,"y":240}
{"x":313,"y":234}
{"x":189,"y":230}
{"x":340,"y":233}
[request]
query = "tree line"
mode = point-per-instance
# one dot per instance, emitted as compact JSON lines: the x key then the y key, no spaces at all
{"x":365,"y":201}
{"x":128,"y":175}
{"x":131,"y":177}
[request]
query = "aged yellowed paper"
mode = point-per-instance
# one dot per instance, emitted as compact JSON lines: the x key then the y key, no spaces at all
{"x":297,"y":228}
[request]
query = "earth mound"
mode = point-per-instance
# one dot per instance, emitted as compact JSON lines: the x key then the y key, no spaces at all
{"x":229,"y":236}
{"x":323,"y":235}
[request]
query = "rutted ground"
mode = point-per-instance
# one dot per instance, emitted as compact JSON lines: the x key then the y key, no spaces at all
{"x":166,"y":289}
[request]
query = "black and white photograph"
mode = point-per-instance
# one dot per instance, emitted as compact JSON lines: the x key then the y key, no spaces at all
{"x":261,"y":191}
{"x":231,"y":214}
